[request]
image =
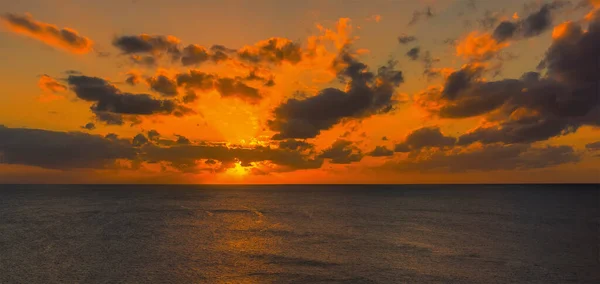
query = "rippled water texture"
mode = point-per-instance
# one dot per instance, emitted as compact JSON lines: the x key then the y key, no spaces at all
{"x":302,"y":234}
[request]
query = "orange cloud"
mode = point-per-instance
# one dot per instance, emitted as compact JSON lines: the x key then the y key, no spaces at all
{"x":64,"y":38}
{"x":479,"y":46}
{"x":560,"y":30}
{"x":48,"y":84}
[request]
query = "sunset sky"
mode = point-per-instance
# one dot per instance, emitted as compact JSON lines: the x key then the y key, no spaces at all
{"x":397,"y":91}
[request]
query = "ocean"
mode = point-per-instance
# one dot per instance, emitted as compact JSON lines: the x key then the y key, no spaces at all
{"x":299,"y":234}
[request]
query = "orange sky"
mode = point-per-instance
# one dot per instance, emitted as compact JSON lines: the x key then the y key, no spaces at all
{"x":377,"y":92}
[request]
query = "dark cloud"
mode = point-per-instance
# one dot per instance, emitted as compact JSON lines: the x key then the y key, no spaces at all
{"x":148,"y":49}
{"x":50,"y":34}
{"x":109,"y":103}
{"x":541,"y":20}
{"x":414,"y":53}
{"x":196,"y":80}
{"x":230,"y":87}
{"x":519,"y":131}
{"x":133,"y":78}
{"x":149,"y":44}
{"x":595,"y":146}
{"x":535,"y":108}
{"x":110,"y":118}
{"x":220,"y":53}
{"x":189,"y":97}
{"x":366,"y":94}
{"x":417,"y":15}
{"x":295,"y":145}
{"x":504,"y":31}
{"x":71,"y":150}
{"x":227,"y":87}
{"x":163,"y":85}
{"x":460,"y":80}
{"x":406,"y":39}
{"x":89,"y":126}
{"x":139,"y":140}
{"x":60,"y":150}
{"x":381,"y":151}
{"x":342,"y":152}
{"x":533,"y":25}
{"x":426,"y":137}
{"x":194,"y":54}
{"x":273,"y":50}
{"x":489,"y":158}
{"x":182,"y":140}
{"x":181,"y":156}
{"x":153,"y":135}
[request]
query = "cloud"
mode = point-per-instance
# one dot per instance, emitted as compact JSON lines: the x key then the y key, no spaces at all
{"x":478,"y":46}
{"x":594,"y":146}
{"x":149,"y":44}
{"x":60,"y":150}
{"x":295,"y":145}
{"x":461,"y":79}
{"x":139,"y":140}
{"x":49,"y":34}
{"x":406,"y":39}
{"x":414,"y":53}
{"x":489,"y":158}
{"x":89,"y":126}
{"x":426,"y":137}
{"x":541,"y":20}
{"x":194,"y":54}
{"x":533,"y":25}
{"x":342,"y":152}
{"x":533,"y":108}
{"x":133,"y":78}
{"x":417,"y":15}
{"x":504,"y":31}
{"x":196,"y":80}
{"x":189,"y":97}
{"x":227,"y":87}
{"x":381,"y":151}
{"x":74,"y":150}
{"x":153,"y":135}
{"x":233,"y":87}
{"x":366,"y":94}
{"x":163,"y":85}
{"x":146,"y":49}
{"x":274,"y":50}
{"x":110,"y":103}
{"x":186,"y":155}
{"x":49,"y":84}
{"x":220,"y":53}
{"x":182,"y":140}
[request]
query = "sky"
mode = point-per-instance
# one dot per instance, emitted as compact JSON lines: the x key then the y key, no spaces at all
{"x":276,"y":92}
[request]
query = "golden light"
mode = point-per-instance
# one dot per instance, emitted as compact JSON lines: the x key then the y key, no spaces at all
{"x":237,"y":170}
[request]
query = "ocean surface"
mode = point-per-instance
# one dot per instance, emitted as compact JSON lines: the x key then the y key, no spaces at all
{"x":300,"y":234}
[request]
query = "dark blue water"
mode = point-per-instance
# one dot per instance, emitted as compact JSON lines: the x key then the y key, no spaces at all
{"x":299,"y":234}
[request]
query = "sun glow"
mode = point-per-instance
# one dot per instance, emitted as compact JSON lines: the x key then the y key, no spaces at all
{"x":237,"y":170}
